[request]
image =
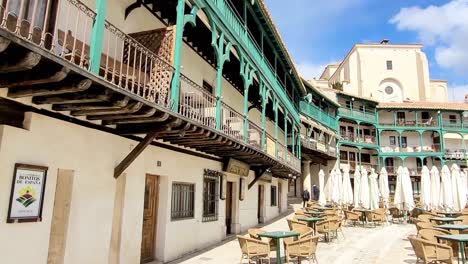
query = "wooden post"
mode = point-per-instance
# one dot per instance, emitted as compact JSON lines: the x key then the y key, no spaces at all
{"x":97,"y":35}
{"x":275,"y":109}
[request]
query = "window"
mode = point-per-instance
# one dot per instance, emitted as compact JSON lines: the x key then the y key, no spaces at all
{"x":392,"y":140}
{"x":274,"y":198}
{"x":365,"y":157}
{"x":208,"y":87}
{"x":210,"y":198}
{"x":404,"y":142}
{"x":401,"y":115}
{"x":388,"y":90}
{"x":425,"y":115}
{"x":343,"y":155}
{"x":452,"y":119}
{"x":183,"y":198}
{"x":389,"y":65}
{"x":348,"y":104}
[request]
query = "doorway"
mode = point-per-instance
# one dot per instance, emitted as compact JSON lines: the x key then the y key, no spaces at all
{"x":228,"y":208}
{"x":261,"y":202}
{"x":150,"y":217}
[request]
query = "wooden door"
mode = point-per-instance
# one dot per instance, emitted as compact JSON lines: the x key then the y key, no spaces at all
{"x":228,"y":207}
{"x":150,"y":216}
{"x":261,"y":202}
{"x":280,"y":201}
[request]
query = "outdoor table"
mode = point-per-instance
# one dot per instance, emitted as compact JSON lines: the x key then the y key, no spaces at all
{"x":453,"y":227}
{"x":450,"y":214}
{"x":277,"y":236}
{"x":312,"y":221}
{"x":446,"y":219}
{"x":364,"y":213}
{"x":461,"y":239}
{"x":314,"y":213}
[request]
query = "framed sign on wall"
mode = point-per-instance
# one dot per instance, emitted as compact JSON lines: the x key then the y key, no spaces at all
{"x":27,"y":193}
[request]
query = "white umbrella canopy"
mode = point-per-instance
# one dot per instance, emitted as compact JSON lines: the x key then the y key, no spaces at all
{"x":328,"y":185}
{"x":337,"y":187}
{"x":373,"y":190}
{"x":435,"y":188}
{"x":347,"y":191}
{"x":383,"y":186}
{"x":446,"y":197}
{"x":398,"y":198}
{"x":322,"y":201}
{"x":357,"y":187}
{"x":408,"y":200}
{"x":364,"y":197}
{"x":464,"y":193}
{"x":425,"y":188}
{"x":459,"y":195}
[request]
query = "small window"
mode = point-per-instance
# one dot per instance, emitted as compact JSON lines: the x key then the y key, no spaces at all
{"x":389,"y":90}
{"x":404,"y":142}
{"x":274,"y":198}
{"x":401,"y":115}
{"x":343,"y":155}
{"x":348,"y":104}
{"x":365,"y":157}
{"x":208,"y":87}
{"x":183,"y":201}
{"x":425,"y":115}
{"x":210,"y":198}
{"x":389,"y":65}
{"x":392,"y":141}
{"x":452,"y":119}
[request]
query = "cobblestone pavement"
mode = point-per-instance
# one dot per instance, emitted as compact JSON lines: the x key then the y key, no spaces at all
{"x":383,"y":244}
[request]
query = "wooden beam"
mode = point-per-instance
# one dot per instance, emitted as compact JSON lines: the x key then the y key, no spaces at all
{"x":43,"y":73}
{"x":258,"y":174}
{"x":131,"y":157}
{"x":4,"y":43}
{"x":20,"y":63}
{"x":92,"y":106}
{"x":50,"y":89}
{"x":88,"y":97}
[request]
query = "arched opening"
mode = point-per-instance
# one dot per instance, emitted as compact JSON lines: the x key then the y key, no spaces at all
{"x":390,"y":90}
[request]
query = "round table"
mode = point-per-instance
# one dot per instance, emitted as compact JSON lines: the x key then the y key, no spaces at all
{"x":277,"y":236}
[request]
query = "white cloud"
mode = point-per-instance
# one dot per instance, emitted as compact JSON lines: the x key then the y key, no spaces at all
{"x":309,"y":70}
{"x":456,"y":93}
{"x":444,"y":27}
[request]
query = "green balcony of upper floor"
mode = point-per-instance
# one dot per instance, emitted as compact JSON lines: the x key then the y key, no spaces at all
{"x":317,"y":114}
{"x":355,"y":114}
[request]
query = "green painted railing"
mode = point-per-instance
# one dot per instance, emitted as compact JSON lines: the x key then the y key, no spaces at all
{"x":364,"y":116}
{"x":318,"y":115}
{"x":237,"y":28}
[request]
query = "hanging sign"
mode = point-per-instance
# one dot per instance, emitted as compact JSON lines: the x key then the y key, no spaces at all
{"x":27,"y":193}
{"x":238,"y":167}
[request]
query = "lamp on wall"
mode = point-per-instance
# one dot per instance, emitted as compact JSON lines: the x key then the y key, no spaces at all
{"x":241,"y":189}
{"x":223,"y":182}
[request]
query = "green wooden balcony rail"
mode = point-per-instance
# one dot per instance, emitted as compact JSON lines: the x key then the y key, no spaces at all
{"x":352,"y":137}
{"x":370,"y":117}
{"x":454,"y":124}
{"x":233,"y":23}
{"x":403,"y":122}
{"x":318,"y":115}
{"x":455,"y":154}
{"x":435,"y":147}
{"x":319,"y":146}
{"x":130,"y":66}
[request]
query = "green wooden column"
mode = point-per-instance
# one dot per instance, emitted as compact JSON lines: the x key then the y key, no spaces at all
{"x":420,"y":139}
{"x":358,"y":134}
{"x":275,"y":109}
{"x":97,"y":34}
{"x":399,"y":141}
{"x":246,"y":72}
{"x":181,"y":21}
{"x":359,"y":157}
{"x":293,"y":139}
{"x":285,"y":132}
{"x":264,"y":91}
{"x":416,"y":117}
{"x":394,"y":118}
{"x":222,"y":50}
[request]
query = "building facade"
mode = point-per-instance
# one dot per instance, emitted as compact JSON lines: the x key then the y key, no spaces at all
{"x":391,"y":113}
{"x":162,"y":126}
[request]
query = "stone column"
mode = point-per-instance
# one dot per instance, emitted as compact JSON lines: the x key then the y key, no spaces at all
{"x":305,"y":179}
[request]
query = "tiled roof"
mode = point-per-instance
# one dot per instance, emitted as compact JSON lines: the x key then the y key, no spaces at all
{"x":317,"y":90}
{"x":359,"y":97}
{"x":425,"y":105}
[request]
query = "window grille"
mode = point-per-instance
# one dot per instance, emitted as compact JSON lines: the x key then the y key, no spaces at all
{"x":183,"y":200}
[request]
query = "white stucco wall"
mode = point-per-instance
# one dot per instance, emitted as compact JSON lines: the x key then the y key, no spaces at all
{"x":93,"y":155}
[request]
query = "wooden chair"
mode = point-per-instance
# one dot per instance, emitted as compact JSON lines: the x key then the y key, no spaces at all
{"x":377,"y":216}
{"x":423,"y":225}
{"x":330,"y":211}
{"x":352,"y":216}
{"x":426,"y":217}
{"x":294,"y":223}
{"x":304,"y":232}
{"x":431,"y":233}
{"x":253,"y":249}
{"x":304,"y":248}
{"x":396,"y":214}
{"x":428,"y":252}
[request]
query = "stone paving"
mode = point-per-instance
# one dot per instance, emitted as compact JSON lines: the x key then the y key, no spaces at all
{"x":383,"y":244}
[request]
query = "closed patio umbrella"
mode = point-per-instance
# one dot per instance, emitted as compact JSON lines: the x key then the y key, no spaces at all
{"x":347,"y":190}
{"x":425,"y":188}
{"x":446,"y":197}
{"x":357,"y":187}
{"x":337,"y":187}
{"x":398,"y":198}
{"x":435,"y":188}
{"x":408,"y":199}
{"x":364,"y":197}
{"x":373,"y":190}
{"x":458,"y":189}
{"x":383,"y":186}
{"x":322,"y":201}
{"x":328,"y":186}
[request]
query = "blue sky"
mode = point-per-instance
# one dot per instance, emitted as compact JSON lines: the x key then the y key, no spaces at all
{"x":319,"y":32}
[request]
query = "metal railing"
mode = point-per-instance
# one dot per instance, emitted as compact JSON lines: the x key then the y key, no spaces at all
{"x":410,"y":149}
{"x":453,"y":124}
{"x":353,"y":138}
{"x":318,"y":114}
{"x":430,"y":122}
{"x":64,"y":28}
{"x":454,"y":154}
{"x":369,"y":116}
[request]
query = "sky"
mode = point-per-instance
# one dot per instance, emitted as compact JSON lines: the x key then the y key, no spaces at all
{"x":319,"y":32}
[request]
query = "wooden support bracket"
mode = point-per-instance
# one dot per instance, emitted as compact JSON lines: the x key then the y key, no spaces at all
{"x":258,"y":174}
{"x":127,"y":161}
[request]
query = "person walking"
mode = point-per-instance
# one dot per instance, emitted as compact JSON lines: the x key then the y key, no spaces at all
{"x":316,"y":192}
{"x":305,"y":197}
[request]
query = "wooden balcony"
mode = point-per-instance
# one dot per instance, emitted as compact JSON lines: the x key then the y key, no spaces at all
{"x":129,"y":94}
